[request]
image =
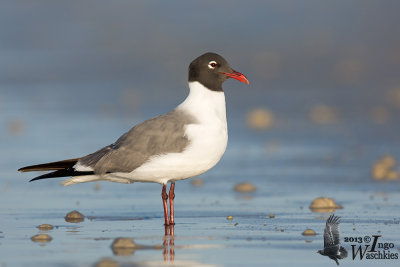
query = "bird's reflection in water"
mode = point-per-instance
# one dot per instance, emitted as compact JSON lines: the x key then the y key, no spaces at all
{"x":169,"y":243}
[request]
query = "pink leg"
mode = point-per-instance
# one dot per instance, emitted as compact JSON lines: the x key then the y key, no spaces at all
{"x":171,"y":203}
{"x":164,"y":197}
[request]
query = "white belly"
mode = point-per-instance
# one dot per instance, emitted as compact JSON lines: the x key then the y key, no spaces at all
{"x":208,"y":140}
{"x":201,"y":155}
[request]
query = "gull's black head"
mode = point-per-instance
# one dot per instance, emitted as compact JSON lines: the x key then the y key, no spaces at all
{"x":211,"y":70}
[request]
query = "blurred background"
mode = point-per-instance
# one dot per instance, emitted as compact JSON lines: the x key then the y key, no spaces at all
{"x":319,"y":118}
{"x":99,"y":67}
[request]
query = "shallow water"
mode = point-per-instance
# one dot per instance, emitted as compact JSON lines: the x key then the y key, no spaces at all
{"x":75,"y":77}
{"x":291,"y":164}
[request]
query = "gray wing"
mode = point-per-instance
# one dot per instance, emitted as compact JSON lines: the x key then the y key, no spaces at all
{"x":331,"y":232}
{"x":159,"y":135}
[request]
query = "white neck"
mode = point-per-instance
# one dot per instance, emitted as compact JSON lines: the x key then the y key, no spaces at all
{"x":204,"y":104}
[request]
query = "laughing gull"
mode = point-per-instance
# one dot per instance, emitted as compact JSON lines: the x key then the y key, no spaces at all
{"x":181,"y":144}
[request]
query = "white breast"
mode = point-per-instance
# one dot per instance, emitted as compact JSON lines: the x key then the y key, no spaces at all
{"x":208,"y":140}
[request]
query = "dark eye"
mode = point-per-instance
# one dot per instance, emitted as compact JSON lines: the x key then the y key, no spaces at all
{"x":212,"y":64}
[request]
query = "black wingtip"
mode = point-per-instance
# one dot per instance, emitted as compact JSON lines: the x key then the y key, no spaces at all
{"x":55,"y":174}
{"x":23,"y":169}
{"x":61,"y":173}
{"x":34,"y":179}
{"x":51,"y":166}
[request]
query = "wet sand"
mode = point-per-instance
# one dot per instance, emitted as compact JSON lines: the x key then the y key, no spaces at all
{"x":288,"y":166}
{"x":202,"y":236}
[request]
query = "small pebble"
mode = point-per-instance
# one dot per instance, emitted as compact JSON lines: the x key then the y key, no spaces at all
{"x":272,"y":216}
{"x":309,"y":232}
{"x":97,"y":186}
{"x":322,"y":114}
{"x":15,"y":127}
{"x":41,"y":238}
{"x":74,"y":217}
{"x":383,"y":169}
{"x":197,"y":182}
{"x":260,"y":119}
{"x":45,"y":227}
{"x":245,"y":188}
{"x":229,"y":218}
{"x":324,"y":204}
{"x":107,"y":262}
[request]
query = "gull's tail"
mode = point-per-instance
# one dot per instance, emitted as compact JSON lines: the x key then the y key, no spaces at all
{"x":63,"y":168}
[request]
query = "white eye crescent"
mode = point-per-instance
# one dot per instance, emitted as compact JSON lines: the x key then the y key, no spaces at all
{"x":212,"y":64}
